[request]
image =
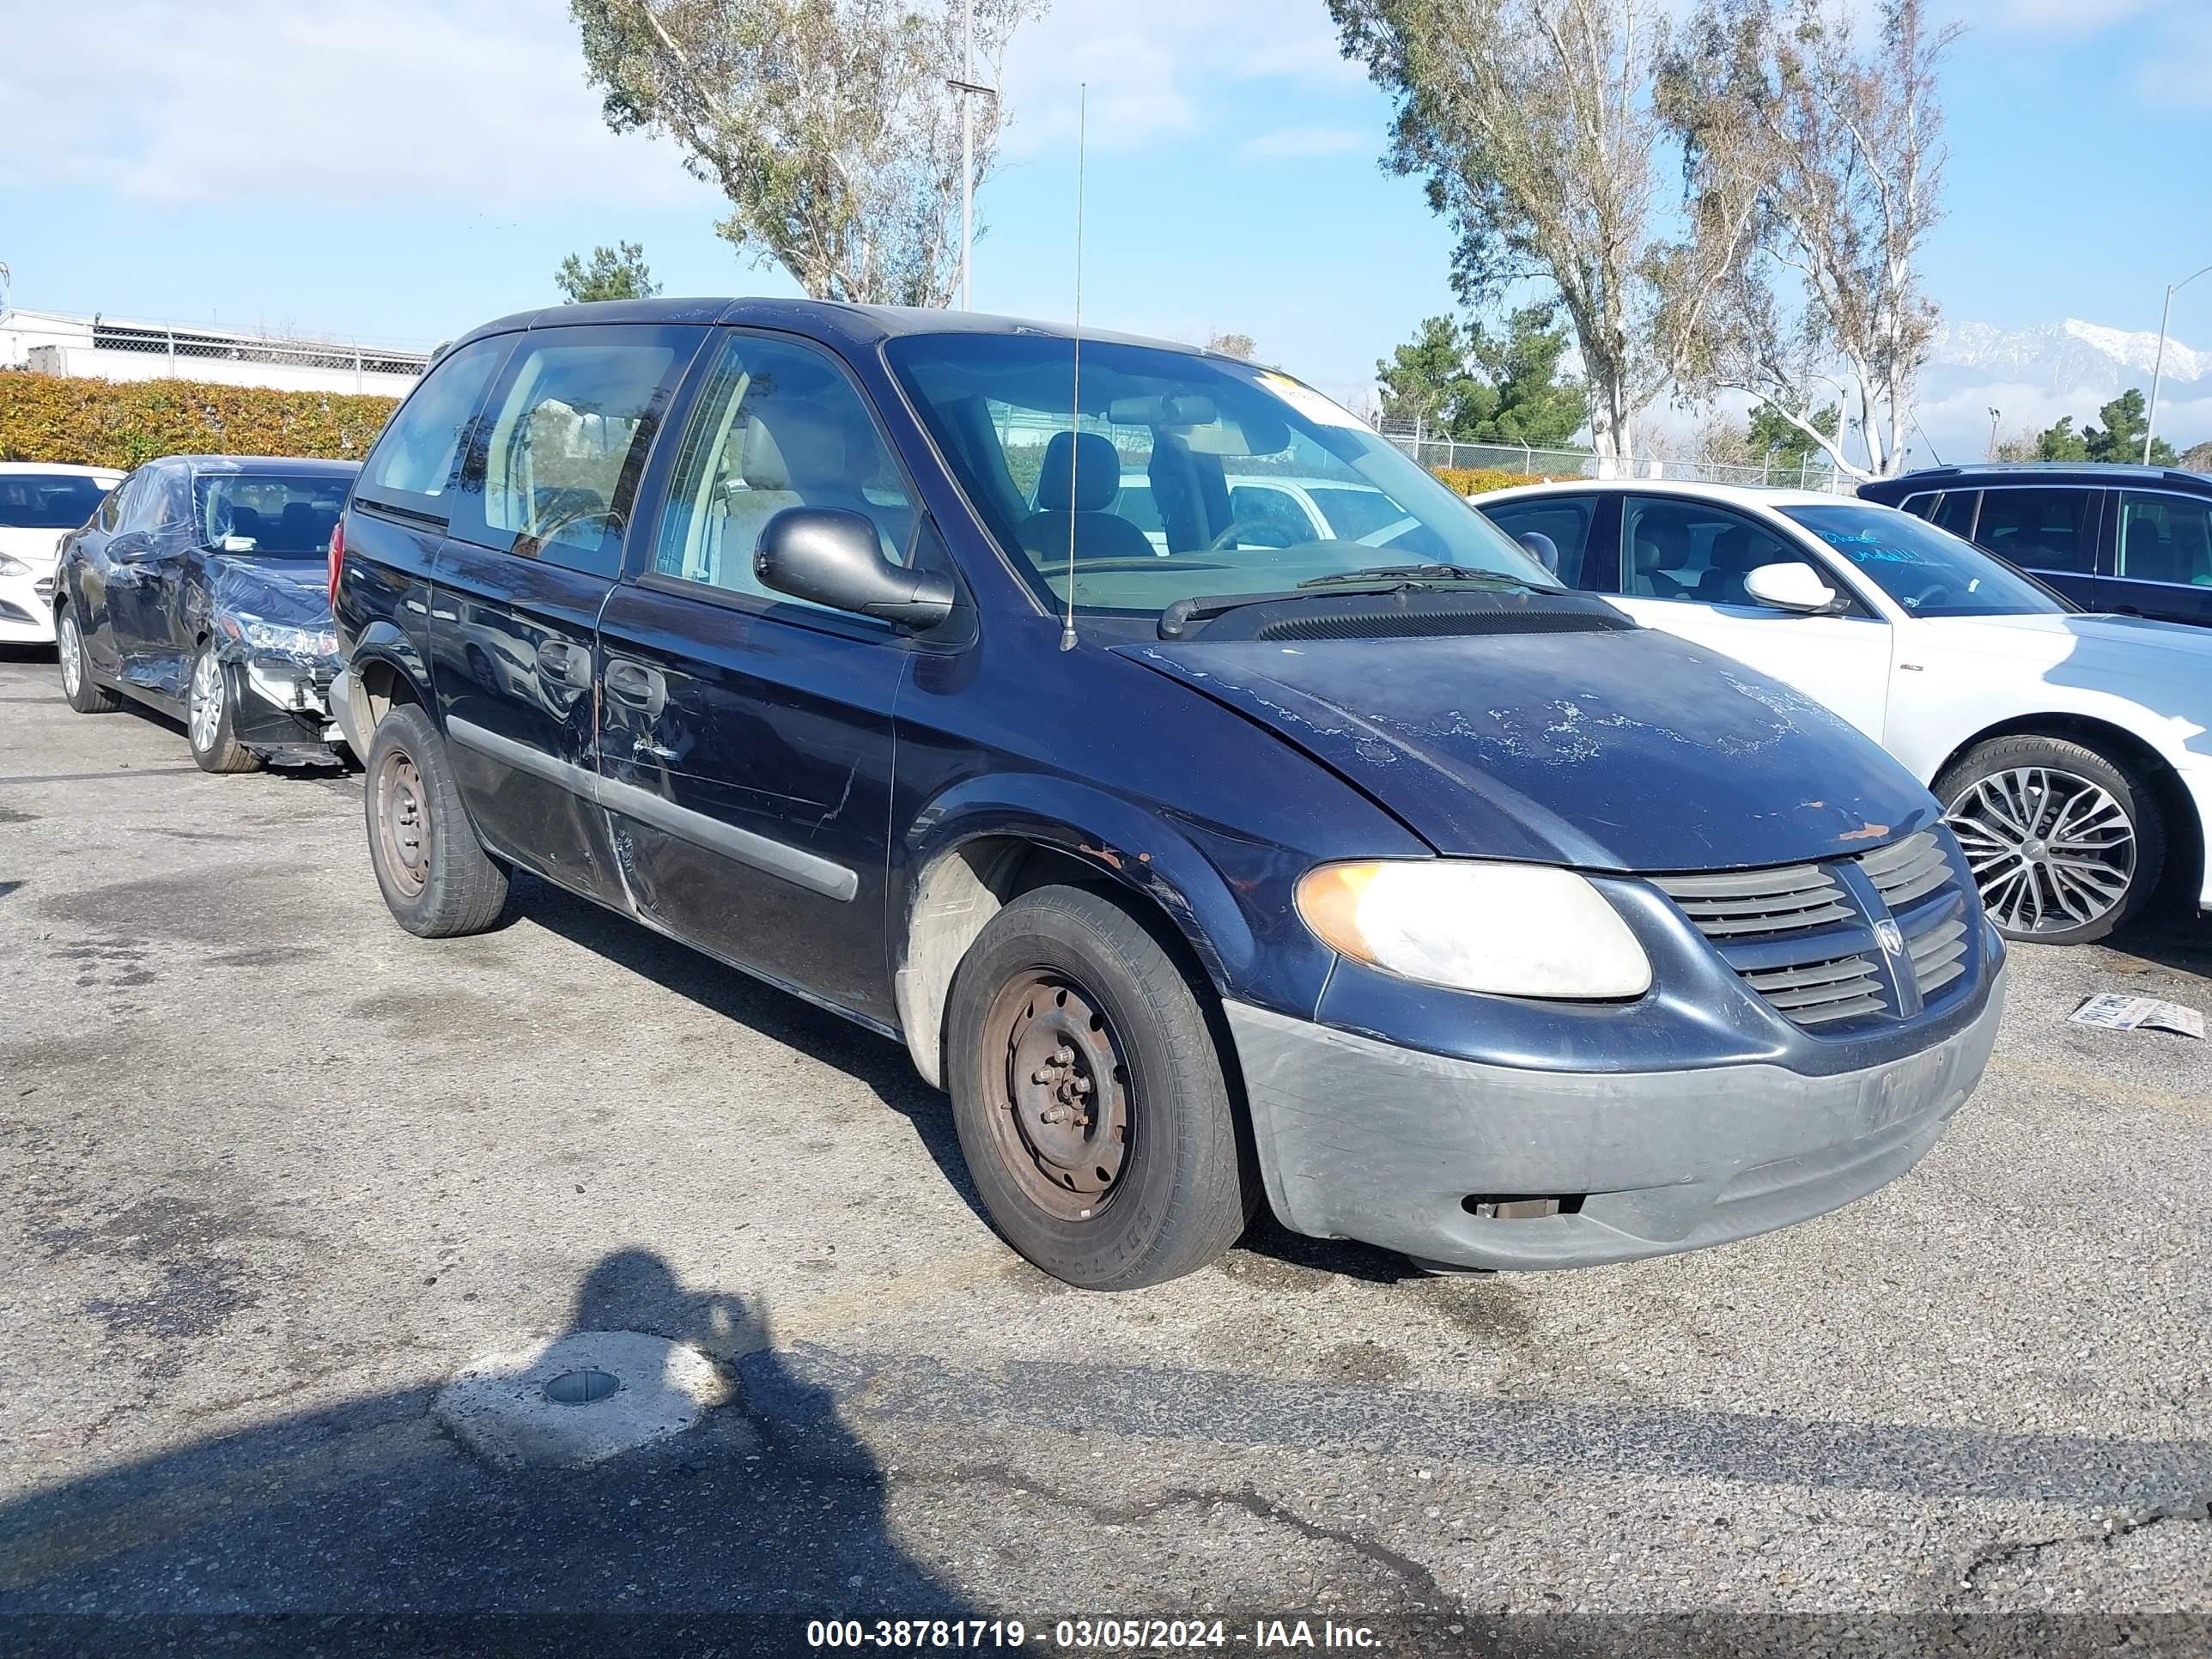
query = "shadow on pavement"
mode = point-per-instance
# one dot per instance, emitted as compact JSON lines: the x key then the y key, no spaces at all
{"x":769,"y":1510}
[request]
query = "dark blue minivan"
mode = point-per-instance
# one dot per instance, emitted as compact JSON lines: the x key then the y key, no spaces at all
{"x":1200,"y":854}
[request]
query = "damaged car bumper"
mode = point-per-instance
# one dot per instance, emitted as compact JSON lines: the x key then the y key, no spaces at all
{"x":282,"y":708}
{"x":1766,"y":1078}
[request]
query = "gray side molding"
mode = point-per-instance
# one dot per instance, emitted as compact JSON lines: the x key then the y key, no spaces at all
{"x":778,"y":859}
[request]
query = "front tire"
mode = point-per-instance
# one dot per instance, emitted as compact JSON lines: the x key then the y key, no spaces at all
{"x":208,"y":711}
{"x":85,"y":694}
{"x":1091,"y":1098}
{"x":437,"y":880}
{"x":2065,"y":844}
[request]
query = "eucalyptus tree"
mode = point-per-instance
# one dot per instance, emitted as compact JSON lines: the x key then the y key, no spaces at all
{"x":832,"y":127}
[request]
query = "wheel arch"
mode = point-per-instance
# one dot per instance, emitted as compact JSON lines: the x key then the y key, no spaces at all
{"x":970,"y":869}
{"x":385,"y":665}
{"x":2185,"y":830}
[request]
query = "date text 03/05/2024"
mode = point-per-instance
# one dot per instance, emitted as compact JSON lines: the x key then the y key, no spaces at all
{"x":1136,"y":1634}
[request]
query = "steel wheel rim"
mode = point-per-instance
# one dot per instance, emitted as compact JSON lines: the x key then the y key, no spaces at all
{"x":72,"y":670}
{"x":1062,"y":1116}
{"x":2051,"y":850}
{"x":402,"y":825}
{"x":206,"y":711}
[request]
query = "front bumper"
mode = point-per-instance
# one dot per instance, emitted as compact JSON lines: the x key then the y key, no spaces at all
{"x":281,"y":709}
{"x":27,"y":609}
{"x":1364,"y":1139}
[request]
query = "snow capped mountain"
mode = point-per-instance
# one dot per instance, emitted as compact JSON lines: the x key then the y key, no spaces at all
{"x":2059,"y":360}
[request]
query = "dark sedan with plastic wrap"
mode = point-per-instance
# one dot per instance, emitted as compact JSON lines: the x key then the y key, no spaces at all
{"x":200,"y":588}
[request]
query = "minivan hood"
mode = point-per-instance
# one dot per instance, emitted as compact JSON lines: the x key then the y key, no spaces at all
{"x":1628,"y":751}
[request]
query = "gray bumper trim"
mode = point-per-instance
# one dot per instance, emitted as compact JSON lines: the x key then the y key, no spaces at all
{"x":1362,"y":1140}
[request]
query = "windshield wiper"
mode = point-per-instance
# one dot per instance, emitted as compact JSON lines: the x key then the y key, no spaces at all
{"x":1176,"y":619}
{"x":1409,"y":574}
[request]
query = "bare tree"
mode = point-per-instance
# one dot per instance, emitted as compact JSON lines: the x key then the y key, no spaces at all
{"x":829,"y":124}
{"x":1532,"y":123}
{"x":1815,"y":161}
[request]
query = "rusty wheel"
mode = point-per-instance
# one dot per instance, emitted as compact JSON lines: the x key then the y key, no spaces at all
{"x":1063,"y":1122}
{"x":1089,"y":1096}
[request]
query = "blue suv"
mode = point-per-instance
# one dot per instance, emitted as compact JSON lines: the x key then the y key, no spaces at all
{"x":1374,"y":876}
{"x":2136,"y":540}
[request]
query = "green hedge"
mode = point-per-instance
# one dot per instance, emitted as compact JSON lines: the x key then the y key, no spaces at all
{"x":1477,"y":480}
{"x":121,"y":423}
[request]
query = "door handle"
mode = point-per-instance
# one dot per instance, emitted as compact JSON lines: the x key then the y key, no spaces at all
{"x":571,"y":665}
{"x":634,"y":683}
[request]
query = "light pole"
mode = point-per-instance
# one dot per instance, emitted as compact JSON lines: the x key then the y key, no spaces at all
{"x":2158,"y":365}
{"x":1991,"y":453}
{"x":968,"y":92}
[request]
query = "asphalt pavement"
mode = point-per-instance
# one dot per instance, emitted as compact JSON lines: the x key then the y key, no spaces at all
{"x":275,"y":1172}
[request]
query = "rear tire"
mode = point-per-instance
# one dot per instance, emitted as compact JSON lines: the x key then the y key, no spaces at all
{"x":437,"y":880}
{"x":85,"y":694}
{"x":2066,"y":845}
{"x":208,"y":707}
{"x":1091,"y":1098}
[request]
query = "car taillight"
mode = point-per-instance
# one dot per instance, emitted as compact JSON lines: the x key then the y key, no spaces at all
{"x":338,"y":553}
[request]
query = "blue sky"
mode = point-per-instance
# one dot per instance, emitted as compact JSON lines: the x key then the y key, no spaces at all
{"x":398,"y":170}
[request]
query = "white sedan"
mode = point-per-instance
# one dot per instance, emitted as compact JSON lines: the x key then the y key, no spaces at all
{"x":39,"y":504}
{"x":2070,"y":751}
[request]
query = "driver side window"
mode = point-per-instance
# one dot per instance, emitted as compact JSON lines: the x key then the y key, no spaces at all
{"x":1677,"y":548}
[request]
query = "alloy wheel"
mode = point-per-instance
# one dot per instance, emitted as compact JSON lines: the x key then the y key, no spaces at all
{"x":72,"y":660}
{"x":402,"y":824}
{"x":2051,"y":850}
{"x":1064,"y":1121}
{"x":204,"y":713}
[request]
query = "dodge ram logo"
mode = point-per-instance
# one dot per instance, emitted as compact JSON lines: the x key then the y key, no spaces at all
{"x":1892,"y":937}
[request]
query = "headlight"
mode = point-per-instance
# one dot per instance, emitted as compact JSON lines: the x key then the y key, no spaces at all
{"x":286,"y":642}
{"x":13,"y":567}
{"x":1523,"y":930}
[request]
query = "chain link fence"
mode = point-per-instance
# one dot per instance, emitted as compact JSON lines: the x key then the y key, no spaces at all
{"x":182,"y":347}
{"x":1530,"y":461}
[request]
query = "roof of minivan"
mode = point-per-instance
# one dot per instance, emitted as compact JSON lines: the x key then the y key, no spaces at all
{"x":861,"y":324}
{"x":2043,"y":472}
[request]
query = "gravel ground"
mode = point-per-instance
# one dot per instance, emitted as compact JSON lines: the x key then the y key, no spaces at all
{"x":276,"y":1170}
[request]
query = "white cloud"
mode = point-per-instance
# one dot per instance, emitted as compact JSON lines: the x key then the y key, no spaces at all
{"x":1153,"y":66}
{"x":1301,"y":143}
{"x":371,"y":102}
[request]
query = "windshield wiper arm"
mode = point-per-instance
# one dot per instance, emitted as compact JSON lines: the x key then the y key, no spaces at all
{"x":1421,"y":573}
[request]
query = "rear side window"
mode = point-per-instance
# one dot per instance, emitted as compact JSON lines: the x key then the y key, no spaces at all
{"x":566,"y":439}
{"x":1565,"y":519}
{"x":1955,"y":512}
{"x":2165,"y":538}
{"x":2041,"y":529}
{"x":414,"y":462}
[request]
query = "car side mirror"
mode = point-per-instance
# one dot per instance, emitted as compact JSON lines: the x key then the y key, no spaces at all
{"x":1792,"y":586}
{"x":131,"y":547}
{"x":832,"y":557}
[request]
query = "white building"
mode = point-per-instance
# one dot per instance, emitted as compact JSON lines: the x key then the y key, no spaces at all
{"x":107,"y":348}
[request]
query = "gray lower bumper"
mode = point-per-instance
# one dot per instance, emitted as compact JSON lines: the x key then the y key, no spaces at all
{"x":342,"y":710}
{"x":1361,"y":1140}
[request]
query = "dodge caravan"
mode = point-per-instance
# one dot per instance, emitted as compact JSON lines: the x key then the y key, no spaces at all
{"x":1376,"y":876}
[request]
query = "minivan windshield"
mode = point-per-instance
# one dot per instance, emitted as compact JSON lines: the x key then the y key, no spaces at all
{"x":276,"y":515}
{"x":48,"y":501}
{"x":1930,"y":571}
{"x":1182,"y":475}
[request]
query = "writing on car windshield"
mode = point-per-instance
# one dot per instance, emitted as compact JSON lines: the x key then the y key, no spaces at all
{"x":1181,"y":474}
{"x":1930,"y":571}
{"x":276,"y":515}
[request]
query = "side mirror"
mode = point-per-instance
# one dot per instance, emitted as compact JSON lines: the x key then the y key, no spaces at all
{"x":832,"y":557}
{"x":131,"y":547}
{"x":1792,"y":586}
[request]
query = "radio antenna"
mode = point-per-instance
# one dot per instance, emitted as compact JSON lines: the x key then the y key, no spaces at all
{"x":1075,"y":394}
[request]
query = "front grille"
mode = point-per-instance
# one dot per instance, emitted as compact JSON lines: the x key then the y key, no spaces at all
{"x":1808,"y":940}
